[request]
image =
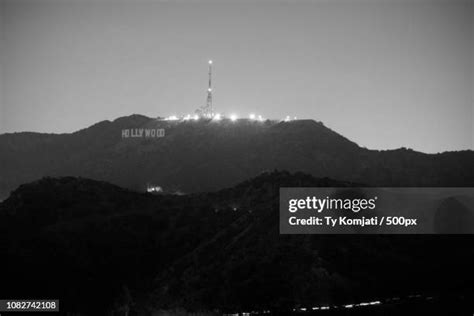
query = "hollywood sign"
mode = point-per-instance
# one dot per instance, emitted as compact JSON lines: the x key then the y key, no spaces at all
{"x":143,"y":133}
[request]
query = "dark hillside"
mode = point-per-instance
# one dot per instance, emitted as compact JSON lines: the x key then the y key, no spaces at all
{"x":205,"y":251}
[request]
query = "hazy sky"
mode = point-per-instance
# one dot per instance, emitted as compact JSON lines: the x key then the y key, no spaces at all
{"x":385,"y":74}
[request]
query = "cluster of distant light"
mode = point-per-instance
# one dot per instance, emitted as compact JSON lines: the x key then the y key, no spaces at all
{"x":189,"y":117}
{"x":218,"y":117}
{"x":152,"y":189}
{"x":303,"y":309}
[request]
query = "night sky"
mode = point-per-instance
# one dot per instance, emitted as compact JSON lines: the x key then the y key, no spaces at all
{"x":384,"y":74}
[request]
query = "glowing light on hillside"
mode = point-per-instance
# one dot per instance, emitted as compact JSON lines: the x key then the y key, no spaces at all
{"x":187,"y":117}
{"x":252,"y":116}
{"x":260,"y":118}
{"x":152,"y":189}
{"x":196,"y":117}
{"x":172,"y":118}
{"x":233,"y":117}
{"x":217,"y":117}
{"x":287,"y":118}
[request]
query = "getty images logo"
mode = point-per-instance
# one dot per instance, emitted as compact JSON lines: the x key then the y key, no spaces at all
{"x":319,"y":205}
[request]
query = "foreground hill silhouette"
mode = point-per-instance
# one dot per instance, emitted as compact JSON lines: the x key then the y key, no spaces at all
{"x":202,"y":156}
{"x":101,"y":249}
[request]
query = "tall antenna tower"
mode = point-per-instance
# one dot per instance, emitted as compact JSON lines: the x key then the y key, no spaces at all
{"x":207,"y":111}
{"x":209,"y":90}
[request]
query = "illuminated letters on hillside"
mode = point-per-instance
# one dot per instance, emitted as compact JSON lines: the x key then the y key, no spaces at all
{"x":143,"y":132}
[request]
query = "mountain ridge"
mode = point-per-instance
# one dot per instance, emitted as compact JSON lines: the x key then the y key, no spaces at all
{"x":144,"y":119}
{"x":192,"y":152}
